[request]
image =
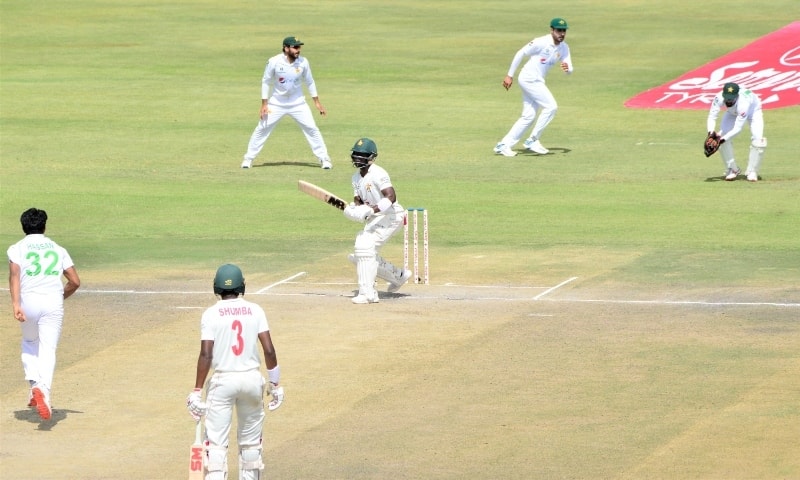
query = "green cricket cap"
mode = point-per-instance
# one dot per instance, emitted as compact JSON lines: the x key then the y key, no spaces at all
{"x":365,"y":145}
{"x":292,"y":42}
{"x":730,"y":91}
{"x":559,"y":23}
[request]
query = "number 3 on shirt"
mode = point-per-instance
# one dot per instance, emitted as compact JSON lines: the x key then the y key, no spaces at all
{"x":238,"y":348}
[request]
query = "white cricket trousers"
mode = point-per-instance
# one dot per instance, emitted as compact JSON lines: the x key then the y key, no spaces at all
{"x":245,"y":391}
{"x":41,"y":331}
{"x":305,"y":119}
{"x":536,"y":97}
{"x":756,"y":133}
{"x":366,"y":252}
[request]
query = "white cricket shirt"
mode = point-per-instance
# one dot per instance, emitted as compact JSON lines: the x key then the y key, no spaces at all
{"x":369,"y":187}
{"x":543,"y":53}
{"x":747,"y":103}
{"x":234,"y":325}
{"x":42,"y":262}
{"x":286,"y":81}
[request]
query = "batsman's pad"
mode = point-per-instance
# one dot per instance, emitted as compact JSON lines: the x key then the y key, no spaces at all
{"x":250,"y":463}
{"x":712,"y":143}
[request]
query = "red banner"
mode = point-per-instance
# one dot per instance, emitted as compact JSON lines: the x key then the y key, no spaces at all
{"x":770,"y":67}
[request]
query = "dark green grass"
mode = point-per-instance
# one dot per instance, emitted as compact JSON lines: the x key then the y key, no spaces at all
{"x":127,"y":122}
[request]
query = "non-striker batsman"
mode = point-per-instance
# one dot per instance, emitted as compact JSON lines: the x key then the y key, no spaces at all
{"x":230,"y":332}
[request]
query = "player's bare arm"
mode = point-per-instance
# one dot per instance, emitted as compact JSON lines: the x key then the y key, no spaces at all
{"x":319,"y":106}
{"x":264,"y":109}
{"x":14,"y":288}
{"x":204,"y":362}
{"x":389,"y":196}
{"x":270,"y":357}
{"x":273,"y":370}
{"x":73,"y":282}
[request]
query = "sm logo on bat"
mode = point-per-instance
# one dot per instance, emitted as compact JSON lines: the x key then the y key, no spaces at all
{"x":196,"y":460}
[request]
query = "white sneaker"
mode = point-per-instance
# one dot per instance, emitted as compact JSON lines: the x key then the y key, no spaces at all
{"x":395,"y":286}
{"x":752,"y":177}
{"x":732,"y":174}
{"x":361,"y":299}
{"x":535,"y":147}
{"x":326,"y":164}
{"x":247,"y":163}
{"x":42,"y":398}
{"x":502,"y":149}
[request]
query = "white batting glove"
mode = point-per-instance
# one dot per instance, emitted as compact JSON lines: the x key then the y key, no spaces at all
{"x":358,"y":213}
{"x":277,"y":396}
{"x":194,"y":402}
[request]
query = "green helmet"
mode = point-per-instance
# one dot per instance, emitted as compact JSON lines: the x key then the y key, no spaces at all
{"x":364,"y":151}
{"x":229,"y":278}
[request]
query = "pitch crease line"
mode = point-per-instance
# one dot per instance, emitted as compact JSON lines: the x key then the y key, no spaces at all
{"x":285,"y":280}
{"x":552,"y":289}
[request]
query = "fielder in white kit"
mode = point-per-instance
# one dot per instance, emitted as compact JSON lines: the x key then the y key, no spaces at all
{"x":742,"y":106}
{"x":35,"y":266}
{"x":544,"y":52}
{"x":284,"y":75}
{"x":374,"y":203}
{"x":230,"y":332}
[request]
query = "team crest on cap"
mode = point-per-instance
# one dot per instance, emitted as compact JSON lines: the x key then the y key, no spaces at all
{"x":228,"y":282}
{"x":561,"y":22}
{"x":730,"y":89}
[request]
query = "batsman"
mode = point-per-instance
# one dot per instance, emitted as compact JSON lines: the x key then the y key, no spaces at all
{"x":230,"y":332}
{"x":374,"y":204}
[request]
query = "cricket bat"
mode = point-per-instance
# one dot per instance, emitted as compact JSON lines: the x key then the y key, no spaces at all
{"x":321,"y":194}
{"x":196,"y":456}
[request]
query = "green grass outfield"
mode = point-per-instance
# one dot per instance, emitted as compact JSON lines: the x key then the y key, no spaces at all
{"x":127,"y":122}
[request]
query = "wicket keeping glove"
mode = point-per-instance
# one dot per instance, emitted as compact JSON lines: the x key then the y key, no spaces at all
{"x":194,"y":402}
{"x":712,"y":143}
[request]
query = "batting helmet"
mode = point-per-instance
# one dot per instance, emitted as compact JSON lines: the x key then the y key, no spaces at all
{"x":363,"y":152}
{"x":229,"y":279}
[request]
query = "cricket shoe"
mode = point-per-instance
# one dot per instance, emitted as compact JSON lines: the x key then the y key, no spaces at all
{"x":752,"y":177}
{"x":502,"y":149}
{"x":362,"y":299}
{"x":732,"y":174}
{"x":325,"y":164}
{"x":42,"y":398}
{"x":247,"y":163}
{"x":395,"y":286}
{"x":31,"y":400}
{"x":535,"y":147}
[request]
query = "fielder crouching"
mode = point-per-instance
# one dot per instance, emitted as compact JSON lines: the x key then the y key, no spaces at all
{"x":742,"y":106}
{"x":374,"y":204}
{"x":230,"y":332}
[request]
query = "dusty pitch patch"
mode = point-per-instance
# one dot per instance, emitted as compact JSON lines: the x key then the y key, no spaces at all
{"x":445,"y":381}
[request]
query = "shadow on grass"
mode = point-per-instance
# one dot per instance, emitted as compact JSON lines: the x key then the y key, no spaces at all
{"x":553,"y":151}
{"x":722,"y":178}
{"x":285,"y":164}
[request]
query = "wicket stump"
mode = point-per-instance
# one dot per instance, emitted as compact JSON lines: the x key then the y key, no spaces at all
{"x":413,"y":216}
